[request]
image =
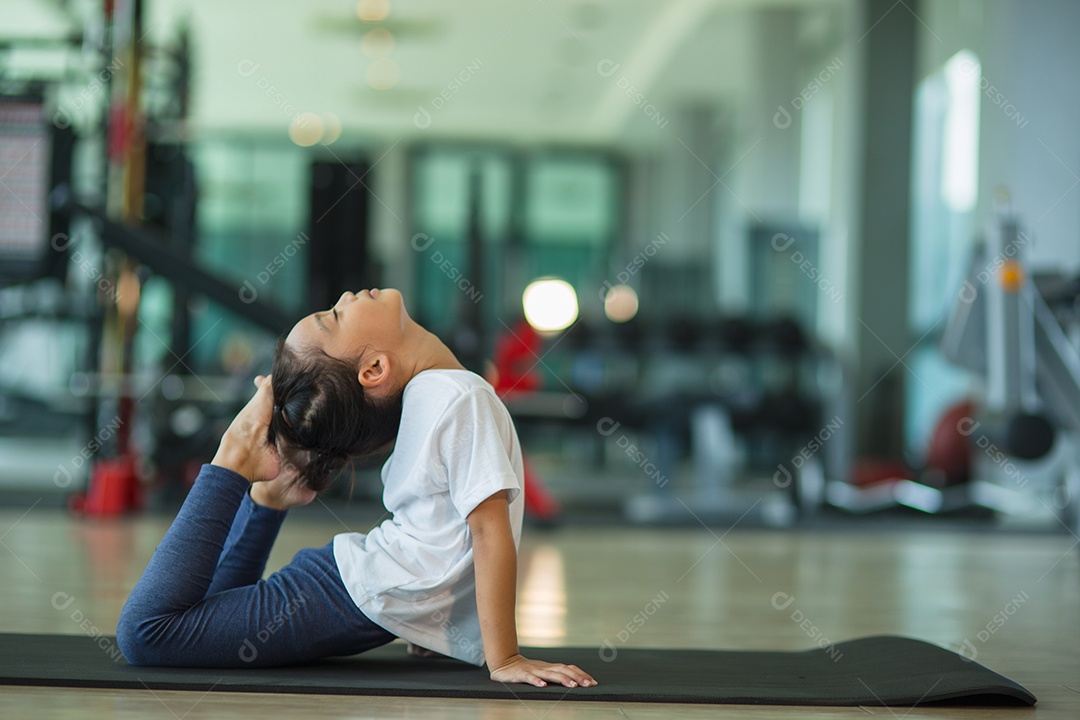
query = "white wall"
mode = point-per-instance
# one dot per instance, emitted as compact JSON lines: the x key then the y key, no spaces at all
{"x":1038,"y":158}
{"x":1030,"y":111}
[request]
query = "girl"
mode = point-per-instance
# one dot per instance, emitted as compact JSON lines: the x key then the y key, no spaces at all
{"x":440,"y":572}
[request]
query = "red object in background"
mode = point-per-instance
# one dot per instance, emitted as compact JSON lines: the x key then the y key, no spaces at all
{"x":517,"y":353}
{"x":539,"y":502}
{"x":949,"y":454}
{"x":871,"y":471}
{"x":119,"y":132}
{"x":113,"y":489}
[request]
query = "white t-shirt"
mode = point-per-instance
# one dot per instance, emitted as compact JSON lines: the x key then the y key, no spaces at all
{"x":413,"y":574}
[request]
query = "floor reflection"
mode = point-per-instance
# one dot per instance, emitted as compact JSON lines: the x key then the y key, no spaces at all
{"x":541,"y":612}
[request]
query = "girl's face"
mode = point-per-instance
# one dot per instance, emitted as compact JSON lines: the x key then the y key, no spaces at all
{"x":374,"y":319}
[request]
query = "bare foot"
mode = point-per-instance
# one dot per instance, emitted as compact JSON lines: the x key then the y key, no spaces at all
{"x":417,"y":651}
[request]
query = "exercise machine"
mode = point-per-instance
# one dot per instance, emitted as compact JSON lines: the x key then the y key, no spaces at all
{"x":1004,"y":331}
{"x":1022,"y":431}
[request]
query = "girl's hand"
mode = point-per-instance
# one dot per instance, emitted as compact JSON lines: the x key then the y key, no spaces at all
{"x":519,"y":669}
{"x":243,"y":448}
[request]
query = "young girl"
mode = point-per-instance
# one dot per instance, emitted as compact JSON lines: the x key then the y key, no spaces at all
{"x":440,"y":572}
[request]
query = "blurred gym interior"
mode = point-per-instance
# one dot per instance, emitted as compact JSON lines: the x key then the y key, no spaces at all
{"x":782,"y":295}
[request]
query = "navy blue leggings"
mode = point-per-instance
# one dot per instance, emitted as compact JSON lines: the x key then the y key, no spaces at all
{"x":202,"y":601}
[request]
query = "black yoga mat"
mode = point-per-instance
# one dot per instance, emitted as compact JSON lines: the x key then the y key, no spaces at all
{"x":881,"y":670}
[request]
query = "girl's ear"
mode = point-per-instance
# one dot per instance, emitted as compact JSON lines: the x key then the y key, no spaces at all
{"x":374,"y":370}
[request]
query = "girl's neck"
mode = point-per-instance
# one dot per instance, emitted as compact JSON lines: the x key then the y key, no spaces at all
{"x":432,"y":354}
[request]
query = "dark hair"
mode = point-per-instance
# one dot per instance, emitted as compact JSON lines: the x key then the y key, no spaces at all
{"x":323,"y":418}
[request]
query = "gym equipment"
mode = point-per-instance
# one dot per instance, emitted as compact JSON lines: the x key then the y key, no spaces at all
{"x":753,"y":403}
{"x":113,"y":488}
{"x":1002,"y":329}
{"x":34,"y":156}
{"x":137,"y":208}
{"x":882,"y":484}
{"x":882,"y":670}
{"x":153,"y":251}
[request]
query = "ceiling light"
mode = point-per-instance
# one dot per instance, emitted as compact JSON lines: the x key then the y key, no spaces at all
{"x":373,"y":10}
{"x":550,"y":304}
{"x":306,"y":129}
{"x":377,"y":43}
{"x":331,"y":128}
{"x":620,"y":303}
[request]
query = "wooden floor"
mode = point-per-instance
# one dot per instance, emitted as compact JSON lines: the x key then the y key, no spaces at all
{"x":1013,"y":598}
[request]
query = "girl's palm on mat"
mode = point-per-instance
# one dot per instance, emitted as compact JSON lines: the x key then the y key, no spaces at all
{"x":519,"y":669}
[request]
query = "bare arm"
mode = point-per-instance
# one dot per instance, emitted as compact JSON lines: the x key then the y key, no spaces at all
{"x":495,"y":558}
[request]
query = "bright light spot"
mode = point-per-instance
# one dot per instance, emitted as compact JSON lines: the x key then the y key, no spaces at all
{"x":550,"y":304}
{"x":383,"y":74}
{"x":377,"y":43}
{"x":960,"y":164}
{"x":373,"y":10}
{"x":332,"y":128}
{"x":306,"y":129}
{"x":620,"y":303}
